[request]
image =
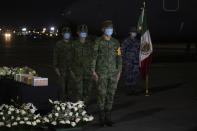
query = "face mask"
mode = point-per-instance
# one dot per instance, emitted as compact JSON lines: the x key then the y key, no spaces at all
{"x":83,"y":35}
{"x":109,"y":31}
{"x":67,"y":36}
{"x":133,"y":34}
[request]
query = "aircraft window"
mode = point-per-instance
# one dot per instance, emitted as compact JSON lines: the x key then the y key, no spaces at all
{"x":171,"y":5}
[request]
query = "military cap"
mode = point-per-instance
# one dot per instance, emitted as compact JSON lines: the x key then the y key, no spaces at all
{"x":133,"y":29}
{"x":65,"y":28}
{"x":107,"y":23}
{"x":82,"y":28}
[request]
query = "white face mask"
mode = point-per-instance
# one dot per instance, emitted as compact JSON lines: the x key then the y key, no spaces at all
{"x":133,"y":34}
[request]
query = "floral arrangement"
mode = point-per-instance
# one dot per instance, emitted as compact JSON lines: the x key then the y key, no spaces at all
{"x":63,"y":115}
{"x":23,"y":117}
{"x":9,"y":73}
{"x":67,"y":115}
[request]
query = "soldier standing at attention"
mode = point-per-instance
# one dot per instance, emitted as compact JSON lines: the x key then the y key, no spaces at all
{"x":62,"y":61}
{"x":106,"y":67}
{"x":130,"y":49}
{"x":82,"y":60}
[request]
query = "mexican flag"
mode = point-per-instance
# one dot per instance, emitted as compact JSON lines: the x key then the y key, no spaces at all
{"x":146,"y":48}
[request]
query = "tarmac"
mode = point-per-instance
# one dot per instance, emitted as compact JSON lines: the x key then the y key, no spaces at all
{"x":171,"y":106}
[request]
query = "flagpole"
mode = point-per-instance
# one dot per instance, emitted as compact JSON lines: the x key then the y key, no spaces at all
{"x":147,"y":86}
{"x":147,"y":78}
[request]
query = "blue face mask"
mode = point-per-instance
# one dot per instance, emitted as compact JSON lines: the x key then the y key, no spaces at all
{"x":133,"y":34}
{"x":109,"y":31}
{"x":83,"y":35}
{"x":67,"y":36}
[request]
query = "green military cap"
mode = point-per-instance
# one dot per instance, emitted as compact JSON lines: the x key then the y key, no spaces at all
{"x":107,"y":23}
{"x":133,"y":29}
{"x":65,"y":28}
{"x":82,"y":28}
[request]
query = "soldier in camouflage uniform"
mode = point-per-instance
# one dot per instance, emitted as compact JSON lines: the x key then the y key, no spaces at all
{"x":82,"y":59}
{"x":62,"y":61}
{"x":106,"y":67}
{"x":130,"y":54}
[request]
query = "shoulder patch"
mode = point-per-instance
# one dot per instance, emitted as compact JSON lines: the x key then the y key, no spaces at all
{"x":119,"y":51}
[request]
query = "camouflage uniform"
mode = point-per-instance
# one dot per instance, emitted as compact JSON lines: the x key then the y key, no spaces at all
{"x":107,"y":63}
{"x":130,"y":54}
{"x":81,"y":68}
{"x":62,"y":59}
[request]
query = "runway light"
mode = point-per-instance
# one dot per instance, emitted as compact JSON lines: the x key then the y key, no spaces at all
{"x":44,"y":30}
{"x":52,"y":28}
{"x":24,"y":29}
{"x":7,"y":35}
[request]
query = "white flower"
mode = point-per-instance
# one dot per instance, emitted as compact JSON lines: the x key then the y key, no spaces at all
{"x":58,"y":108}
{"x":23,"y":112}
{"x":28,"y":123}
{"x":50,"y":116}
{"x":26,"y":108}
{"x":34,"y":123}
{"x":12,"y":118}
{"x":56,"y":114}
{"x":2,"y":124}
{"x":38,"y":121}
{"x":73,"y":124}
{"x":75,"y":108}
{"x":18,"y":118}
{"x":46,"y":120}
{"x":63,"y":108}
{"x":54,"y":123}
{"x":80,"y":106}
{"x":26,"y":119}
{"x":17,"y":111}
{"x":11,"y":109}
{"x":9,"y":113}
{"x":1,"y":113}
{"x":63,"y":104}
{"x":8,"y":125}
{"x":14,"y":124}
{"x":56,"y":102}
{"x":77,"y":120}
{"x":91,"y":118}
{"x":70,"y":114}
{"x":21,"y":122}
{"x":69,"y":107}
{"x":62,"y":122}
{"x":67,"y":122}
{"x":85,"y":119}
{"x":32,"y":111}
{"x":3,"y":118}
{"x":83,"y":113}
{"x":77,"y":114}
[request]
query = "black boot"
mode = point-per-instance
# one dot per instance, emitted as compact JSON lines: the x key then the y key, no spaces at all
{"x":102,"y":118}
{"x":108,"y":120}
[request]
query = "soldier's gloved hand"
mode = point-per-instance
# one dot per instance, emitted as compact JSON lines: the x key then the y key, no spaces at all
{"x":57,"y":71}
{"x":95,"y":76}
{"x":73,"y":74}
{"x":118,"y":76}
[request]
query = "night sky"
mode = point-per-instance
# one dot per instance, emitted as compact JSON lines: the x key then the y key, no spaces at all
{"x":33,"y":11}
